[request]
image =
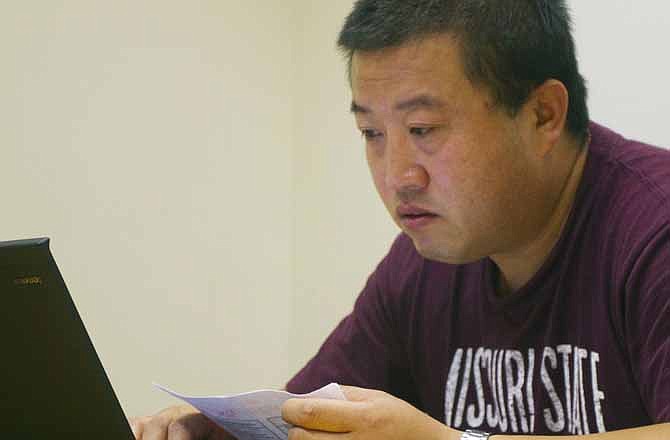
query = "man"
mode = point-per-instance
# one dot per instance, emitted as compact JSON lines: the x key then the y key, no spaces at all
{"x":529,"y":293}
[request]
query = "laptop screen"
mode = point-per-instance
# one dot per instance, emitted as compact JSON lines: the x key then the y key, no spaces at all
{"x":53,"y":381}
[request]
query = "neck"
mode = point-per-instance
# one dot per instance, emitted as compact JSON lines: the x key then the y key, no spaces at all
{"x":518,"y":267}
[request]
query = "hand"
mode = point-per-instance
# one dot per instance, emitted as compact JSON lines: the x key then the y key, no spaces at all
{"x":177,"y":423}
{"x":367,"y":414}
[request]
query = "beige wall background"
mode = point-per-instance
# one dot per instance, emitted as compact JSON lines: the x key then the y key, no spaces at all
{"x":201,"y":179}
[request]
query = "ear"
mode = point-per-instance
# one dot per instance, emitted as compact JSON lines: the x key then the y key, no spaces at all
{"x":547,"y":109}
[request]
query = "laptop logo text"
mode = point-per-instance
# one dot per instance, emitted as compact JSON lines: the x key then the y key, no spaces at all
{"x":27,"y":281}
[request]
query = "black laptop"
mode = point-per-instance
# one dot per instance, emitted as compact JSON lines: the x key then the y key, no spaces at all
{"x":53,"y":384}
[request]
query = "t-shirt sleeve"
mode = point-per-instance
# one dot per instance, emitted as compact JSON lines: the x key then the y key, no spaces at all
{"x":364,"y":349}
{"x":648,"y":324}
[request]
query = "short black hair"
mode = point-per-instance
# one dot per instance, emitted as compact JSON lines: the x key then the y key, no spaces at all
{"x":507,"y":46}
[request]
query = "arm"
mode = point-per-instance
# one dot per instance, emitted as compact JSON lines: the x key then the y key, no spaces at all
{"x":371,"y":414}
{"x":181,"y":422}
{"x":652,"y":432}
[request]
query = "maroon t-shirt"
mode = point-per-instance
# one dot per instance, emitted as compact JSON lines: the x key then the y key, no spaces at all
{"x":583,"y":347}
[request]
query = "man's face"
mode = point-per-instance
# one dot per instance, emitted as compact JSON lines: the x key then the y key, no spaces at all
{"x":451,"y":168}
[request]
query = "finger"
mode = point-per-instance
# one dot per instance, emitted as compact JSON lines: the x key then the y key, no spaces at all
{"x":174,"y":423}
{"x":322,"y":414}
{"x":306,"y":434}
{"x":220,"y":434}
{"x":192,"y":426}
{"x":155,"y":429}
{"x":137,"y":425}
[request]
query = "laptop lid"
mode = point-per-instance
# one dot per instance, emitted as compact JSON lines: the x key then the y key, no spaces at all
{"x":53,"y":384}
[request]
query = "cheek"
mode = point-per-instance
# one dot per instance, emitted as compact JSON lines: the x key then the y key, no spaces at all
{"x":462,"y":187}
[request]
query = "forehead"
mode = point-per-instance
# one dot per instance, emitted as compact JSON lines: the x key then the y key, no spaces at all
{"x":431,"y":60}
{"x":439,"y":54}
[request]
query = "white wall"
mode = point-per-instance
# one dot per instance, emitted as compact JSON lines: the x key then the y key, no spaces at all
{"x":621,"y":47}
{"x":151,"y":140}
{"x":201,"y":177}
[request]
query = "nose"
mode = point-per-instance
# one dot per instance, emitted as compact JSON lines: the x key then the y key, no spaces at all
{"x":404,"y":174}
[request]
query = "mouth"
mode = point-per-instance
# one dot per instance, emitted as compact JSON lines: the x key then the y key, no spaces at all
{"x":414,"y":217}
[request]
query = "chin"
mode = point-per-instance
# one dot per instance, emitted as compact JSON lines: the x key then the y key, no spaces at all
{"x":441,"y":252}
{"x":430,"y":251}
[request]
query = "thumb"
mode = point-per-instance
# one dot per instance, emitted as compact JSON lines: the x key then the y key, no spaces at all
{"x":357,"y":394}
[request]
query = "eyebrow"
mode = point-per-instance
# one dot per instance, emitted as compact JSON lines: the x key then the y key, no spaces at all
{"x":414,"y":103}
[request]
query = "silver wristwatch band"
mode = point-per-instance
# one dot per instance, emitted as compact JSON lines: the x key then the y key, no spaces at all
{"x":473,"y":434}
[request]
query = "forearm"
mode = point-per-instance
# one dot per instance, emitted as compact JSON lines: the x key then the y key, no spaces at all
{"x":653,"y":432}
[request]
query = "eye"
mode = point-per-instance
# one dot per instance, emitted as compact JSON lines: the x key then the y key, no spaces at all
{"x":420,"y":131}
{"x":370,"y":133}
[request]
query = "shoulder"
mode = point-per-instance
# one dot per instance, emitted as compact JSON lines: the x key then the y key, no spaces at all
{"x":630,"y":169}
{"x":629,"y":215}
{"x":629,"y":182}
